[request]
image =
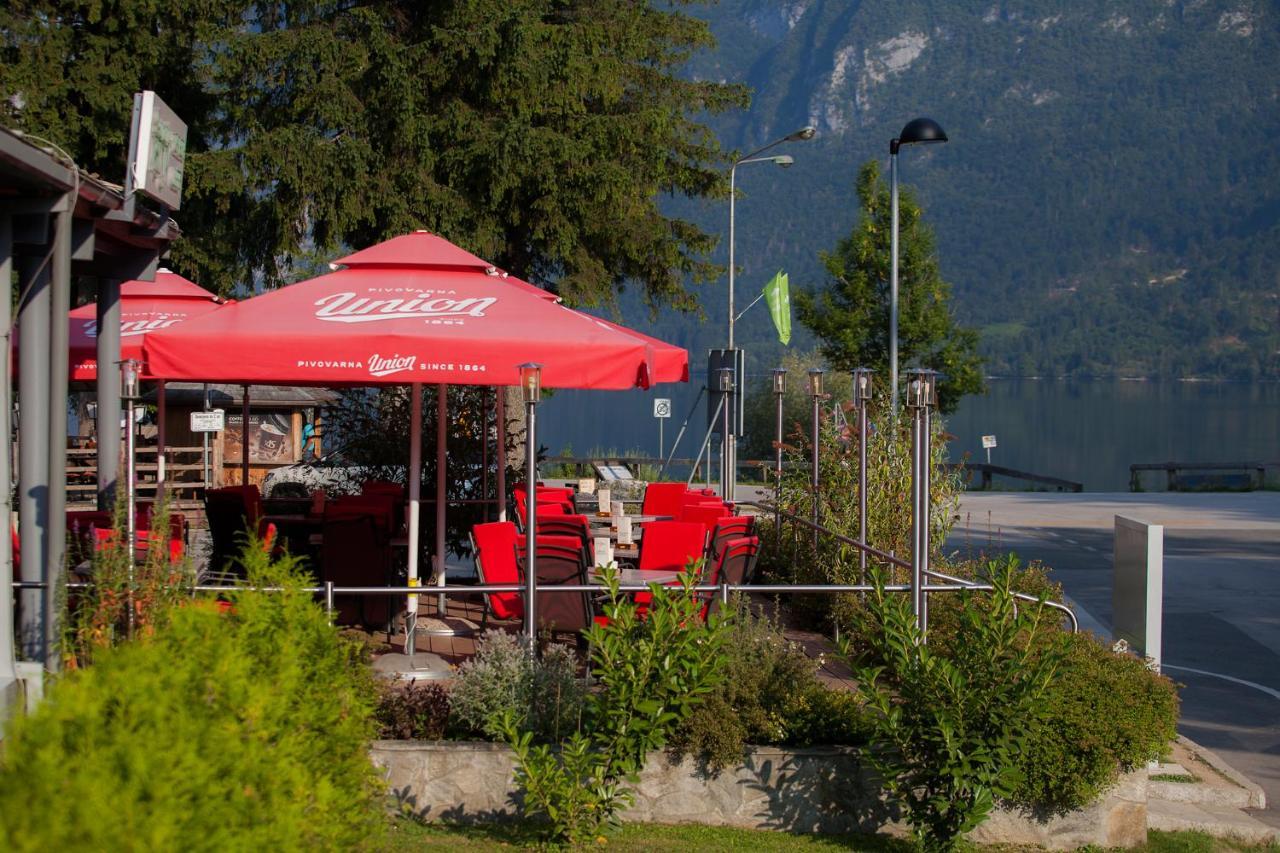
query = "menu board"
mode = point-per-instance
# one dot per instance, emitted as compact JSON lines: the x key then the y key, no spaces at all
{"x":271,"y":438}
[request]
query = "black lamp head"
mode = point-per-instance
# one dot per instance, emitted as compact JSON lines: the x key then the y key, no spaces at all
{"x":919,"y":130}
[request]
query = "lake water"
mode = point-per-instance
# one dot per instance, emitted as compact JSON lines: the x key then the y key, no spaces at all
{"x":1089,"y":432}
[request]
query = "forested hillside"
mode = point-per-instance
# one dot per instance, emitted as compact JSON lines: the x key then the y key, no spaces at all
{"x":1109,"y":202}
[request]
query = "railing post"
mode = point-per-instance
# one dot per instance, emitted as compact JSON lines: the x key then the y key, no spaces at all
{"x":531,"y":390}
{"x":861,"y":397}
{"x":921,"y":395}
{"x":328,"y":600}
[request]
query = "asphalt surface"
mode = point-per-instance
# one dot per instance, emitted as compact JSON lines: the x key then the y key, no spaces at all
{"x":1221,"y":599}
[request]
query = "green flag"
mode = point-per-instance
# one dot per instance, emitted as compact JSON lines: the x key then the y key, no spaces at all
{"x":778,"y":294}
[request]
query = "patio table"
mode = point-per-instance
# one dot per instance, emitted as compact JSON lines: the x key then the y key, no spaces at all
{"x":638,"y":576}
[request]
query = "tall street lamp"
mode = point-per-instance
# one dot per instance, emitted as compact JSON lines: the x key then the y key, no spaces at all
{"x":804,"y":133}
{"x":917,"y":130}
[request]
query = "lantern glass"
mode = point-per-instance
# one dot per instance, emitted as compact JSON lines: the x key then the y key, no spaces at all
{"x":922,"y":388}
{"x":779,"y":380}
{"x":815,"y":382}
{"x":726,"y":378}
{"x":531,"y":382}
{"x":862,"y":385}
{"x":129,"y":379}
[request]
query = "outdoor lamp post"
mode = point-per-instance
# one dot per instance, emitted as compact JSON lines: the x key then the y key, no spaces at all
{"x":531,"y":392}
{"x":861,"y":398}
{"x":921,"y":398}
{"x":724,"y":383}
{"x":920,"y":130}
{"x":779,"y":390}
{"x":784,"y":161}
{"x":815,"y":391}
{"x":129,"y":392}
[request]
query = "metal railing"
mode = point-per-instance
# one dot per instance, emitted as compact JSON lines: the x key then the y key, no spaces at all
{"x":953,"y":583}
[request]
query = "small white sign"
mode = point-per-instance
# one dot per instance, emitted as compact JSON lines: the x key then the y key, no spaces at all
{"x":988,"y":441}
{"x":662,"y":408}
{"x":214,"y":421}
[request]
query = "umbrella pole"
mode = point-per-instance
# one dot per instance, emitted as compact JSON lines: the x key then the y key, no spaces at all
{"x":160,"y":440}
{"x":244,"y":436}
{"x":442,"y":416}
{"x":415,"y":501}
{"x":500,"y":415}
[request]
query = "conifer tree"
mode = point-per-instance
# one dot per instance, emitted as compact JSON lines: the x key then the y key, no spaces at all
{"x":850,"y":315}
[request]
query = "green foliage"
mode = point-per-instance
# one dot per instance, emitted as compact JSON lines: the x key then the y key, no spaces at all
{"x":769,"y":695}
{"x":797,"y":558}
{"x":243,"y":730}
{"x":651,"y":671}
{"x":850,"y":315}
{"x":949,"y":730}
{"x":537,"y":134}
{"x":412,"y":711}
{"x":97,"y":617}
{"x":1104,"y":713}
{"x":543,"y":694}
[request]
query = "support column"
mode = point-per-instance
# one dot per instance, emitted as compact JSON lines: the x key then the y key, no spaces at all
{"x":33,"y":447}
{"x":160,"y":441}
{"x":442,"y":433}
{"x":500,"y":407}
{"x":108,"y":427}
{"x":415,"y":509}
{"x":59,"y":307}
{"x":244,"y":436}
{"x":8,"y":675}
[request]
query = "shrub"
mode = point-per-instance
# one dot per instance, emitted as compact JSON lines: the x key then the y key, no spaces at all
{"x":770,"y":694}
{"x":1104,"y":713}
{"x":948,"y":728}
{"x":245,"y":730}
{"x":98,"y":616}
{"x":543,"y":694}
{"x":412,"y":711}
{"x":652,"y":671}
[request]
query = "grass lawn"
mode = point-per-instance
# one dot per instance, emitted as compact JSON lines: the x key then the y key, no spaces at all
{"x":408,"y":835}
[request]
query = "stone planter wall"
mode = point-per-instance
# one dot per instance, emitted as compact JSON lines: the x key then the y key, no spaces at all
{"x":806,"y":790}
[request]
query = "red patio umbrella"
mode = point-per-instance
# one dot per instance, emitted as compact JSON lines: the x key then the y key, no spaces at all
{"x":145,"y":306}
{"x":413,"y":310}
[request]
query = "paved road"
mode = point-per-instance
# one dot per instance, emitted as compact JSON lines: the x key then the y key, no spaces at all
{"x":1221,"y":598}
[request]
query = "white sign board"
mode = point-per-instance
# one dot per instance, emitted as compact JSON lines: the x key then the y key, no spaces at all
{"x":214,"y":421}
{"x":1137,"y":587}
{"x":988,"y":441}
{"x":662,"y":408}
{"x":157,"y":151}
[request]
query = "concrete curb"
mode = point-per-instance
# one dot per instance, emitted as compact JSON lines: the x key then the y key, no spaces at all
{"x":1257,"y":797}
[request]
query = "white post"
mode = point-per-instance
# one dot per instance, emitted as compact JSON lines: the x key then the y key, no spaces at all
{"x":415,"y":504}
{"x":442,"y":419}
{"x":500,"y":415}
{"x":1137,"y":590}
{"x":160,"y":439}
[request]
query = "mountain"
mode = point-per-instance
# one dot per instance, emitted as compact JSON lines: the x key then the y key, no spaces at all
{"x":1108,"y":203}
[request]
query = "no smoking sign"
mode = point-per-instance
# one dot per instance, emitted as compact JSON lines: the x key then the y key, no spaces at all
{"x":661,"y":408}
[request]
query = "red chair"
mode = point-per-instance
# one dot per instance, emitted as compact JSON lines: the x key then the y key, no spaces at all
{"x":395,"y":492}
{"x":381,"y":506}
{"x":730,"y":527}
{"x":356,"y":553}
{"x":663,"y":499}
{"x":230,"y":512}
{"x":734,"y":566}
{"x":559,"y":563}
{"x":707,"y":516}
{"x":494,"y":545}
{"x":670,"y":545}
{"x":577,"y":526}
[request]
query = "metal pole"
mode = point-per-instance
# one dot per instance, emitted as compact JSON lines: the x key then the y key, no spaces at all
{"x":893,"y":278}
{"x":109,"y":410}
{"x":680,"y":435}
{"x":500,"y":416}
{"x":926,"y":447}
{"x":917,"y":520}
{"x":204,"y":459}
{"x":817,"y":416}
{"x":728,"y":446}
{"x":130,"y":502}
{"x":33,"y":447}
{"x":59,"y":307}
{"x":244,"y":436}
{"x":777,"y":498}
{"x":415,"y":507}
{"x":706,"y":440}
{"x":726,"y":443}
{"x":8,"y":672}
{"x":442,"y":419}
{"x":484,"y":452}
{"x":661,"y":444}
{"x":161,"y":414}
{"x":862,"y":489}
{"x":530,"y":527}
